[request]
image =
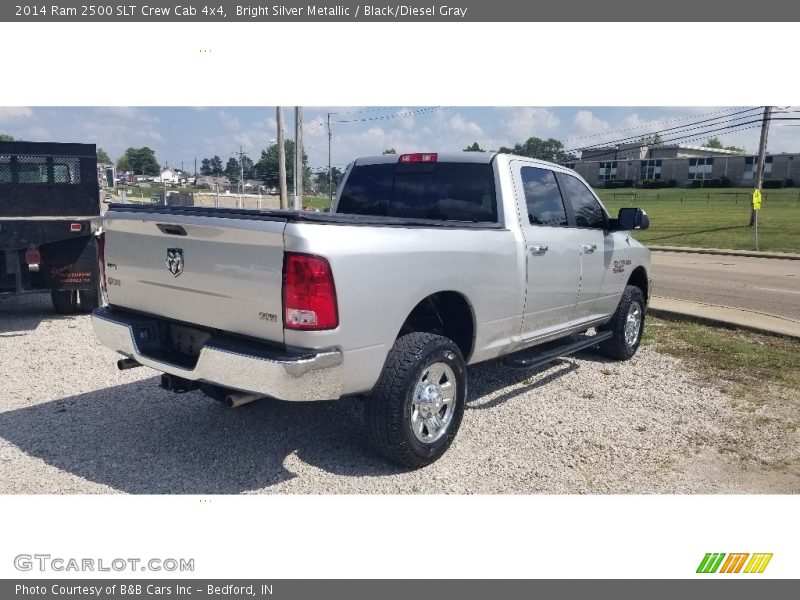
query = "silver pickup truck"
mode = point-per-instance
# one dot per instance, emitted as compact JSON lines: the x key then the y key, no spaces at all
{"x":427,"y":263}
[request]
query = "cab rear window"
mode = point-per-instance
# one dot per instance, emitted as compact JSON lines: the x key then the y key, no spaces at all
{"x":442,"y":191}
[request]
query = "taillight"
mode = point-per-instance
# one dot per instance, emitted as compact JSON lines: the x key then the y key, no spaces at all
{"x":309,"y":296}
{"x":75,"y":226}
{"x":33,"y":256}
{"x":420,"y":157}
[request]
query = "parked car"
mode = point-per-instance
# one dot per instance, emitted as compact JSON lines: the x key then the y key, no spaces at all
{"x":428,"y":262}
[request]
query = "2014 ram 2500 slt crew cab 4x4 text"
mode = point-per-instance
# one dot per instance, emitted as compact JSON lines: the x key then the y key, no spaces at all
{"x":428,"y":262}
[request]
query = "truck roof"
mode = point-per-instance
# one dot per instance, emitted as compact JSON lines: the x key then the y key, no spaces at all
{"x":471,"y":157}
{"x":463,"y":157}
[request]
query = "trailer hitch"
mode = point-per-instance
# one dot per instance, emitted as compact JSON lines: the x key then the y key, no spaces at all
{"x":179,"y":385}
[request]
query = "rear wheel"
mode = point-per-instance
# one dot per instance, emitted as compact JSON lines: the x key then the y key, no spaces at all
{"x":626,"y":325}
{"x":415,"y":410}
{"x":65,"y":302}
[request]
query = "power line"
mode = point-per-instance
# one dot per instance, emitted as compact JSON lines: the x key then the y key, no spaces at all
{"x":410,"y":113}
{"x":677,"y":129}
{"x":686,"y":138}
{"x":365,"y":110}
{"x":652,"y":123}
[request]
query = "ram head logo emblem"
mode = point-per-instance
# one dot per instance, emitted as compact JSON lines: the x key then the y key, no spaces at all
{"x":174,"y":261}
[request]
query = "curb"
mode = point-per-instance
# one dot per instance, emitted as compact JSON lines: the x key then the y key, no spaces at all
{"x":674,"y":315}
{"x":721,"y":252}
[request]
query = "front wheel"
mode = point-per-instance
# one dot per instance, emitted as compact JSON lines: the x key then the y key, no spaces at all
{"x":415,"y":410}
{"x":626,"y":326}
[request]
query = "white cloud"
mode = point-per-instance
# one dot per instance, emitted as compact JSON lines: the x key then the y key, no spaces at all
{"x":459,"y":124}
{"x":127,"y":113}
{"x":12,"y":113}
{"x":229,"y":121}
{"x":585,"y":122}
{"x":524,"y":122}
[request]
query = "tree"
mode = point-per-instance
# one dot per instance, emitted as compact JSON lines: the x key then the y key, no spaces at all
{"x":321,"y":179}
{"x":232,"y":169}
{"x":248,"y":166}
{"x":205,"y":167}
{"x":713,"y":142}
{"x":141,"y":161}
{"x":266,"y":169}
{"x":550,"y":149}
{"x":102,"y":157}
{"x":216,"y":166}
{"x":4,"y":137}
{"x":474,"y":148}
{"x":652,"y":139}
{"x":123,"y":164}
{"x":389,"y":151}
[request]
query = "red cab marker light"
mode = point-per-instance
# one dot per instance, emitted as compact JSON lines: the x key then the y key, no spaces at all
{"x":75,"y":227}
{"x":419,"y":157}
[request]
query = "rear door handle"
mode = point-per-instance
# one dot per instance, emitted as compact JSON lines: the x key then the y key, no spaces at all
{"x":588,"y":248}
{"x":538,"y":250}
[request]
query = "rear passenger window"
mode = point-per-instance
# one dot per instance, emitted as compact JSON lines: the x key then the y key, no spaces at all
{"x":543,"y":198}
{"x":588,"y":212}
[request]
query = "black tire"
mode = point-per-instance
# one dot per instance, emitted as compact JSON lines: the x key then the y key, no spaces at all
{"x":389,"y":408}
{"x":90,"y":299}
{"x":65,"y":302}
{"x":617,"y":347}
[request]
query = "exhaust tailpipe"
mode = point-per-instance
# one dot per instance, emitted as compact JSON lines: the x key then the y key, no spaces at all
{"x":123,"y":364}
{"x":240,"y":398}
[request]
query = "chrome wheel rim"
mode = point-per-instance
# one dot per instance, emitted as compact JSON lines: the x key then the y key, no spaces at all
{"x":633,"y":324}
{"x":433,"y":403}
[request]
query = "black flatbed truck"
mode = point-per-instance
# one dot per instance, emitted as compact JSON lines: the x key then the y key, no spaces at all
{"x":49,"y":223}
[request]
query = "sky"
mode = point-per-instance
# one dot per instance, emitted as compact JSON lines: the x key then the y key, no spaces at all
{"x":180,"y":134}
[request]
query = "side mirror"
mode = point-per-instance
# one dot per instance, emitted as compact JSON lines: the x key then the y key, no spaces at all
{"x":630,"y":219}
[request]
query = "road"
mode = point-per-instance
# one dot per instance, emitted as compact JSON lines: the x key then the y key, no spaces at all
{"x":766,"y":285}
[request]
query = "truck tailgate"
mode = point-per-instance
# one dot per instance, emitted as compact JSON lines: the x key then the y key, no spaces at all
{"x":220,"y":273}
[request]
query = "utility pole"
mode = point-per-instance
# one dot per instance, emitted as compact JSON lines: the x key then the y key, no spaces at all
{"x":241,"y":176}
{"x":298,"y":158}
{"x":330,"y":189}
{"x":195,"y":167}
{"x":762,"y":151}
{"x":281,"y":159}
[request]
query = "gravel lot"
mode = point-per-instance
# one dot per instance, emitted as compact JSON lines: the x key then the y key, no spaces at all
{"x":71,"y":423}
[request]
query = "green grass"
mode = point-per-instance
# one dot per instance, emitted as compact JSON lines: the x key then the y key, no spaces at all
{"x":713,"y":218}
{"x":320,"y":202}
{"x":758,"y":367}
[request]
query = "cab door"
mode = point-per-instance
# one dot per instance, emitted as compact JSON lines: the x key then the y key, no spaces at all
{"x":599,"y":275}
{"x":551,"y":251}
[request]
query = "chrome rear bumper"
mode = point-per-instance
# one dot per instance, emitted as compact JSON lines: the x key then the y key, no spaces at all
{"x":311,"y":375}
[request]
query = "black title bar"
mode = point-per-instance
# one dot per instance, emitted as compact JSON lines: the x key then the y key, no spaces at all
{"x":408,"y":11}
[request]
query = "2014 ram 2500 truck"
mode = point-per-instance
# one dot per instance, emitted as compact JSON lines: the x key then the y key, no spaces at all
{"x":428,"y":263}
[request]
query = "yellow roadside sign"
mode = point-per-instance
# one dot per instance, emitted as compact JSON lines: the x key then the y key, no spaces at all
{"x":756,"y":199}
